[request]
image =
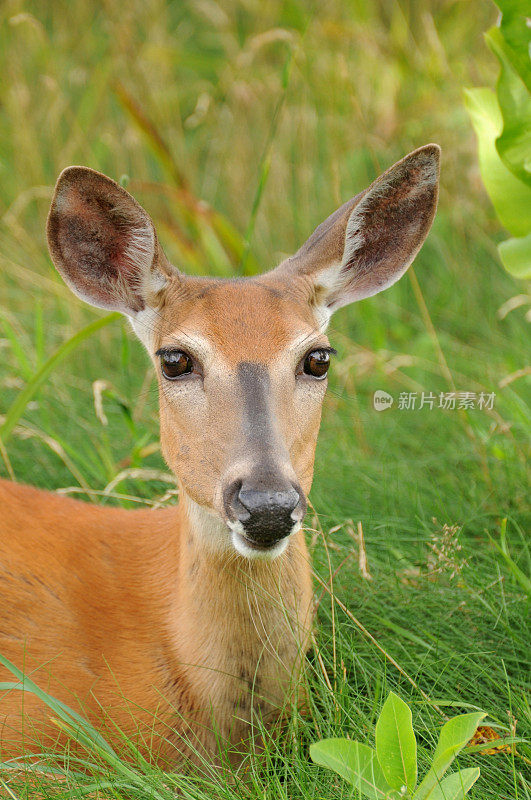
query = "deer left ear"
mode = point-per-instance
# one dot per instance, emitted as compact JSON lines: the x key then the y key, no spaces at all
{"x":104,"y":244}
{"x":368,"y":244}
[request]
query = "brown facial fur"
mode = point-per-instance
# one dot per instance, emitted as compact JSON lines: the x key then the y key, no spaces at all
{"x":241,"y":321}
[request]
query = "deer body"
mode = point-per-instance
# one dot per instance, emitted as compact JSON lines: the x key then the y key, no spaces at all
{"x":183,"y":625}
{"x":172,"y":644}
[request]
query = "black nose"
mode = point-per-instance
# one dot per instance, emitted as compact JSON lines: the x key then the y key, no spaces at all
{"x":267,"y":515}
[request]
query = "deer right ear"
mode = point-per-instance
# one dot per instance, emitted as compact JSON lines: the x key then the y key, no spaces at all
{"x":368,"y":243}
{"x":104,"y":244}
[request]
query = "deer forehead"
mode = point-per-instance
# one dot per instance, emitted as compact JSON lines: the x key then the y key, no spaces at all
{"x":237,"y":321}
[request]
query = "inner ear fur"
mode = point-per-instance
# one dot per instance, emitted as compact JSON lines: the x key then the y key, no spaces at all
{"x":368,"y":243}
{"x":103,"y":243}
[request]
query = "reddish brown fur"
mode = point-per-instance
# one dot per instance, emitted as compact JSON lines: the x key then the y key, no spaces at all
{"x":107,"y":614}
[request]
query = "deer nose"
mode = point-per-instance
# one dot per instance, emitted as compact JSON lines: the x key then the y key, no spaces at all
{"x":267,"y":515}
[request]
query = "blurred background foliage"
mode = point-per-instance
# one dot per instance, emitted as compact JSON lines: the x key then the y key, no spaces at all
{"x":502,"y":122}
{"x":240,"y":125}
{"x":181,"y":97}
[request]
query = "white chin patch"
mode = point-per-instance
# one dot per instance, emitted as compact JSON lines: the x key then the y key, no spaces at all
{"x":245,"y":549}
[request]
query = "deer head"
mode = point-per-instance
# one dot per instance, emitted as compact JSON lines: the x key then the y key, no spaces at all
{"x":241,"y":363}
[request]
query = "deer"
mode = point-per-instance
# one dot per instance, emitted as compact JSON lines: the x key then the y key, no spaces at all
{"x":186,"y":624}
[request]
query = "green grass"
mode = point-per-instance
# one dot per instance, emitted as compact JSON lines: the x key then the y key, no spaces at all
{"x":273,"y":114}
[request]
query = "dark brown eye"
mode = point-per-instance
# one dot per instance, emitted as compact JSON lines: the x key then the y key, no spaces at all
{"x":316,"y":363}
{"x":175,"y":363}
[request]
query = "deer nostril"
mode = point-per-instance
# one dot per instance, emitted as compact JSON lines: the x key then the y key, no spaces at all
{"x":233,"y":506}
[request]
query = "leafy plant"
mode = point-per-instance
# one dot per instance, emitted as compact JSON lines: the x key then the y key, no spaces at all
{"x":390,"y":771}
{"x":502,"y":122}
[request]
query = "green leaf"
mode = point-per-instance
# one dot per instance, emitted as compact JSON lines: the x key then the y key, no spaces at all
{"x":455,"y":786}
{"x":516,"y":36}
{"x":515,"y":254}
{"x":356,"y":763}
{"x":510,"y":197}
{"x":514,"y":143}
{"x":396,"y":746}
{"x":455,"y":734}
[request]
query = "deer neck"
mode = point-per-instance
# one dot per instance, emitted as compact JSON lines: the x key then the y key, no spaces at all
{"x":241,"y":626}
{"x":216,"y":583}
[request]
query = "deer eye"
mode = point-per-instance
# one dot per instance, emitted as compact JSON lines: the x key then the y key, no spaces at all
{"x":316,"y":363}
{"x":175,"y":363}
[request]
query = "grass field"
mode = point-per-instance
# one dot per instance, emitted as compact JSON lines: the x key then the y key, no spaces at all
{"x":240,"y":126}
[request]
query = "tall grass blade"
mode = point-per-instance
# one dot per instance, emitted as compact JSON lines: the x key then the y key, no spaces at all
{"x":17,"y":408}
{"x":265,"y":163}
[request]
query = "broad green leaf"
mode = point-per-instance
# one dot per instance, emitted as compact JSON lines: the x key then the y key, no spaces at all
{"x":510,"y":197}
{"x":396,"y":746}
{"x":456,"y":785}
{"x":516,"y":36}
{"x":515,"y":254}
{"x":356,"y":763}
{"x":455,"y":734}
{"x":514,"y":143}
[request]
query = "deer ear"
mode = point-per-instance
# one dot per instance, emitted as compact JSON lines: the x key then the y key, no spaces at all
{"x":368,"y":244}
{"x":104,"y":244}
